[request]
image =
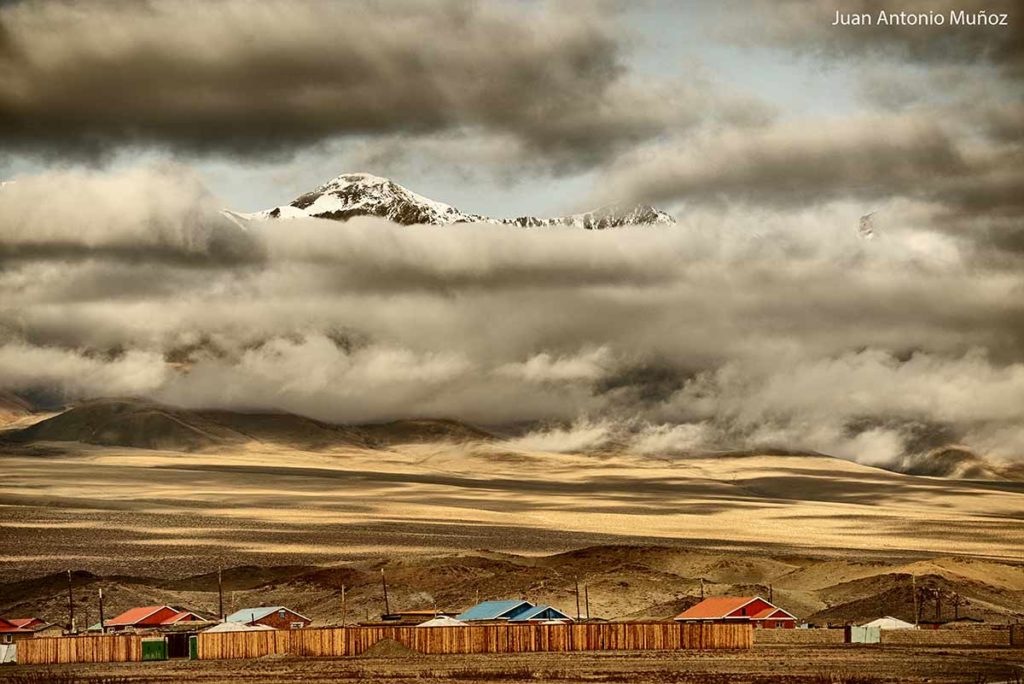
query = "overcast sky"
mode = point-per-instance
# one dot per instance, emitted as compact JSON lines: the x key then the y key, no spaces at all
{"x":283,"y":89}
{"x":761,"y":318}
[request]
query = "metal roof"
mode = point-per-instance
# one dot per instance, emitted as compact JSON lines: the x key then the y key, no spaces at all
{"x":716,"y":607}
{"x":723,"y":607}
{"x":254,"y":614}
{"x":187,"y":615}
{"x":537,"y":612}
{"x":133,"y":616}
{"x":238,"y":627}
{"x":442,"y":621}
{"x":492,"y":610}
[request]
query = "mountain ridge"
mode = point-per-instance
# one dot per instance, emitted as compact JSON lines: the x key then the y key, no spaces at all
{"x":362,"y":194}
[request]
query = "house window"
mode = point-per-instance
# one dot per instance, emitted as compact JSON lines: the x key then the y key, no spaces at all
{"x":8,"y":638}
{"x":297,"y":625}
{"x":282,"y":614}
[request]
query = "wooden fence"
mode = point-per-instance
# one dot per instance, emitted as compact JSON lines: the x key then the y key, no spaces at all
{"x":352,"y":641}
{"x":80,"y":649}
{"x":478,"y":639}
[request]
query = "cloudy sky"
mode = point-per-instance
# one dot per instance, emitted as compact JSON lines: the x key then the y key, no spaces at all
{"x":761,"y":318}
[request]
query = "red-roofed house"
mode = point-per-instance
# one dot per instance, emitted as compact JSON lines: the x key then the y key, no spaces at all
{"x":150,"y":617}
{"x":752,"y":609}
{"x":37,"y":626}
{"x":9,"y":631}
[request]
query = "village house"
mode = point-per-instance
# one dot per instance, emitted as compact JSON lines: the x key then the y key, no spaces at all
{"x":36,"y":627}
{"x":513,"y":610}
{"x":753,"y":609}
{"x":10,"y":632}
{"x":150,"y":617}
{"x":277,"y":617}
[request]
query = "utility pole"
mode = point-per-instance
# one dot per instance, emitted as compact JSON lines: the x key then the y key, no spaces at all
{"x":771,"y":594}
{"x":577,"y":580}
{"x":102,"y":625}
{"x":344,"y":607}
{"x":220,"y":593}
{"x":586,"y":595}
{"x":701,"y":588}
{"x":71,"y":606}
{"x":384,"y":581}
{"x":913,"y":588}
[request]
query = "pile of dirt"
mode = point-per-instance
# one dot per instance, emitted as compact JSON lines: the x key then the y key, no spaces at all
{"x":389,"y":648}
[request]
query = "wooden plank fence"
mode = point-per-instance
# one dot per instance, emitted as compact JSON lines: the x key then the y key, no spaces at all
{"x":478,"y":639}
{"x":80,"y":649}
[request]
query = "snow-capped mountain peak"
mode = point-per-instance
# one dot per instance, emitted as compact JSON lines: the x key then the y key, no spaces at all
{"x":364,"y":194}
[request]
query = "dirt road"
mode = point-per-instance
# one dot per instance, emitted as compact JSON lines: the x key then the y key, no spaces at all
{"x":762,"y":665}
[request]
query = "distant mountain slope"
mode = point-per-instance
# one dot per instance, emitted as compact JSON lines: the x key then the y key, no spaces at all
{"x":144,"y":425}
{"x":362,"y":194}
{"x":13,"y":408}
{"x":132,"y":424}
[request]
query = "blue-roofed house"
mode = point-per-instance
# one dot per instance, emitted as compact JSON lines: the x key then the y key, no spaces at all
{"x":495,"y":611}
{"x":277,"y":617}
{"x":542,"y":613}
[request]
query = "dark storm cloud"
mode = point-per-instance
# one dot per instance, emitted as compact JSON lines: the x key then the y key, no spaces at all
{"x":801,"y":163}
{"x":806,"y":26}
{"x":258,"y":78}
{"x":942,"y":127}
{"x":870,"y":158}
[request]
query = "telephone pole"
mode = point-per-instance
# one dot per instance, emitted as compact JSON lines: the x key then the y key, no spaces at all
{"x":577,"y":580}
{"x":102,"y":625}
{"x":344,"y":607}
{"x":384,"y":581}
{"x":586,"y":595}
{"x":220,"y":594}
{"x":71,"y":606}
{"x":913,"y":588}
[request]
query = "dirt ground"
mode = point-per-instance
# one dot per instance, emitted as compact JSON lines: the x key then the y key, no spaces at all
{"x":113,"y":510}
{"x":851,"y":664}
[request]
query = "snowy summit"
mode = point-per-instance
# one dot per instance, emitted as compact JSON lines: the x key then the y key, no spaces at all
{"x":364,"y":194}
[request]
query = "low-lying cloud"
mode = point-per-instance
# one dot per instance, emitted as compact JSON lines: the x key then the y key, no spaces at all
{"x":734,"y":329}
